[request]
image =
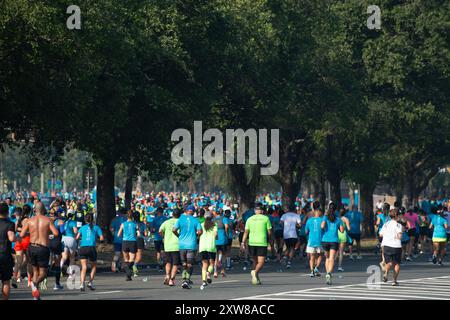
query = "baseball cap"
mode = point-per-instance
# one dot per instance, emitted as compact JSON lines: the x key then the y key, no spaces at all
{"x":190,"y":208}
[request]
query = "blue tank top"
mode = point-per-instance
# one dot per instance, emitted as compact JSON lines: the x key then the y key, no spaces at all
{"x":129,"y":231}
{"x":68,"y":228}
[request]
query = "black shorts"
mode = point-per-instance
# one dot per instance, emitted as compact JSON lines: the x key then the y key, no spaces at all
{"x":327,"y":246}
{"x":355,"y":236}
{"x":222,"y":248}
{"x":172,"y":257}
{"x":278,"y":234}
{"x":412,"y":232}
{"x":129,"y":246}
{"x":448,"y":237}
{"x":302,"y":239}
{"x":88,"y":253}
{"x":6,"y":267}
{"x":208,"y":255}
{"x":241,"y":234}
{"x":290,"y":243}
{"x":56,"y":246}
{"x":159,"y":246}
{"x":140,"y":244}
{"x":257,"y":251}
{"x":393,"y":255}
{"x":230,"y":243}
{"x":39,"y":256}
{"x":187,"y":256}
{"x":424,"y":231}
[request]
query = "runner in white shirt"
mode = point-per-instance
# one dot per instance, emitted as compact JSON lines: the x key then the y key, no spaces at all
{"x":290,"y":222}
{"x":391,"y":233}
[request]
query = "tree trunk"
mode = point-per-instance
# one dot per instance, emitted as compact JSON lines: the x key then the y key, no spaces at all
{"x":351,"y":194}
{"x":322,"y":193}
{"x":105,"y":197}
{"x":245,"y":188}
{"x":129,"y":186}
{"x":290,"y":184}
{"x":366,"y":198}
{"x":335,"y":186}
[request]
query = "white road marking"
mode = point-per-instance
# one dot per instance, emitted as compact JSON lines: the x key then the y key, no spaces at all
{"x":362,"y":290}
{"x":108,"y":292}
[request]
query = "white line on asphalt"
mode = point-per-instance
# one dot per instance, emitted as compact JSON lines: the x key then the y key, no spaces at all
{"x":227,"y":281}
{"x":328,"y":297}
{"x":396,"y":290}
{"x":361,"y":296}
{"x":327,"y":288}
{"x":108,"y":292}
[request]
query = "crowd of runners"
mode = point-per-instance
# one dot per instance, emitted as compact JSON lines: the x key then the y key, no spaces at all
{"x":189,"y":230}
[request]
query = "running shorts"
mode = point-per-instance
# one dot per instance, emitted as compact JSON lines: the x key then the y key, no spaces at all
{"x":278,"y":234}
{"x":172,"y":257}
{"x":257,"y":251}
{"x":327,"y":246}
{"x":70,"y":244}
{"x":159,"y":246}
{"x":88,"y":253}
{"x":241,"y":235}
{"x":208,"y":255}
{"x":356,"y":236}
{"x":117,"y":247}
{"x":314,"y":249}
{"x":6,"y":267}
{"x":448,"y":237}
{"x":302,"y":239}
{"x":424,"y":231}
{"x":290,"y":243}
{"x":23,"y":244}
{"x":230,"y":242}
{"x":39,"y":255}
{"x":129,"y":246}
{"x":438,"y":240}
{"x":56,"y":247}
{"x":140,"y":244}
{"x":393,"y":255}
{"x":411,"y":232}
{"x":222,"y":248}
{"x":187,"y":256}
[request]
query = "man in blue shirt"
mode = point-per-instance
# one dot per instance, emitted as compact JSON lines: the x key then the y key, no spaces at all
{"x":356,"y":218}
{"x":117,"y":241}
{"x":314,"y":247}
{"x":187,"y":228}
{"x":158,"y":220}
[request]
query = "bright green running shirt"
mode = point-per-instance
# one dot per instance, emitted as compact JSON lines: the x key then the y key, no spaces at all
{"x":257,"y":225}
{"x":208,"y":239}
{"x":170,"y":239}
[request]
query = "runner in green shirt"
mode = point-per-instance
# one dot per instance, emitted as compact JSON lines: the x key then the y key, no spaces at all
{"x":171,"y":248}
{"x":207,"y":248}
{"x":258,"y":230}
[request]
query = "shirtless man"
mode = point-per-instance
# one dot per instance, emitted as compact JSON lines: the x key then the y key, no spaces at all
{"x":39,"y":228}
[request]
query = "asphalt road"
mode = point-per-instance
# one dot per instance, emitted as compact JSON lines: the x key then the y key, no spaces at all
{"x":418,"y":280}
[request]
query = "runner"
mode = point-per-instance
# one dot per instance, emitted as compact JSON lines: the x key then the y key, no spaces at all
{"x":130,"y":231}
{"x":439,"y":223}
{"x":330,"y":241}
{"x":355,"y":217}
{"x":117,"y":241}
{"x":208,"y":248}
{"x":314,"y":231}
{"x":343,"y":237}
{"x":302,"y":241}
{"x":21,"y":246}
{"x":277,"y":241}
{"x":381,"y":221}
{"x":89,"y":233}
{"x":290,"y":222}
{"x":424,"y":225}
{"x":231,"y":225}
{"x":70,"y":245}
{"x":171,"y":245}
{"x":221,"y":242}
{"x":140,"y":242}
{"x":186,"y":229}
{"x":241,"y":222}
{"x":56,"y":249}
{"x":7,"y":236}
{"x":39,"y":228}
{"x":391,"y":234}
{"x":159,"y":246}
{"x":258,"y":230}
{"x":411,"y":218}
